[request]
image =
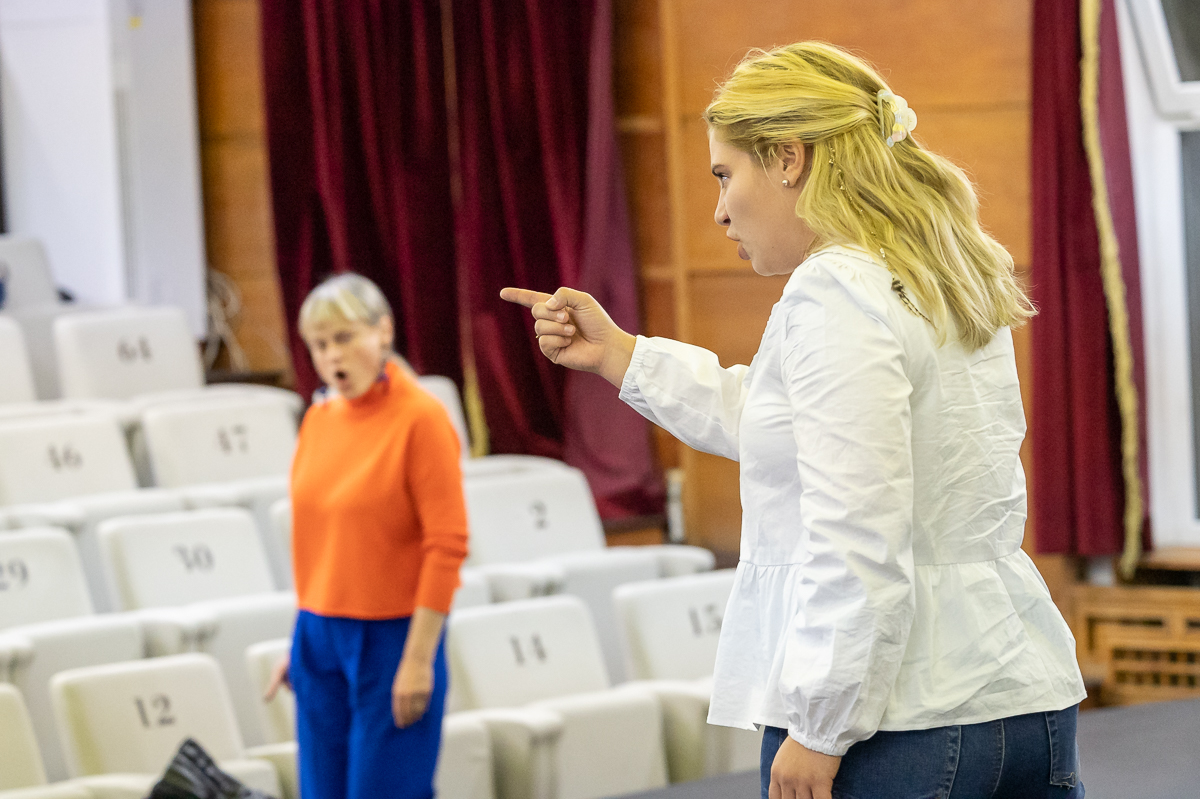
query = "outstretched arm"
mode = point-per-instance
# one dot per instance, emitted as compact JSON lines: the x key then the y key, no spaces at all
{"x":680,"y":388}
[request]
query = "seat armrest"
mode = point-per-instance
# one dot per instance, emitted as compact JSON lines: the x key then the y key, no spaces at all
{"x":254,"y":773}
{"x":50,"y":514}
{"x":58,"y":790}
{"x":686,"y":732}
{"x":524,"y":750}
{"x":510,"y":581}
{"x":117,"y":786}
{"x":283,"y":757}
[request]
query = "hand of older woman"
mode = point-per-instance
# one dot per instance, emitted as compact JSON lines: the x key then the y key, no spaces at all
{"x":800,"y":773}
{"x":575,"y":331}
{"x":411,"y":690}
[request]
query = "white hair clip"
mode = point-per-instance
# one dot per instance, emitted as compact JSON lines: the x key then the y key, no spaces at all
{"x":902,"y":120}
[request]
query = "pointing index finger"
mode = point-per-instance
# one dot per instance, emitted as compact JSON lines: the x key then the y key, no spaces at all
{"x":524,"y":297}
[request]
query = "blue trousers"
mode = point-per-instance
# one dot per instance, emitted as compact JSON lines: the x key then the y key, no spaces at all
{"x":350,"y":747}
{"x":1032,"y":756}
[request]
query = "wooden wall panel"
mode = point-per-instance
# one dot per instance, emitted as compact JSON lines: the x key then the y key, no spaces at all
{"x":934,"y":52}
{"x":992,"y":146}
{"x":637,"y":54}
{"x":645,"y":160}
{"x":234,"y":169}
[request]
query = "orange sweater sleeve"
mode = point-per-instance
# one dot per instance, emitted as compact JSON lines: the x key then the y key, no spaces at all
{"x":435,"y":483}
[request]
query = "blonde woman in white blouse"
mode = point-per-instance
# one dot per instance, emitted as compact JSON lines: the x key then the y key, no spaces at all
{"x":885,"y":628}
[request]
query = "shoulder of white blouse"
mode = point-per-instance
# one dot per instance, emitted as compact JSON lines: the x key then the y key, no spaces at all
{"x":840,"y":276}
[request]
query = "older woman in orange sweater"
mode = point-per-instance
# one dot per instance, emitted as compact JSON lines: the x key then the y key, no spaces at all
{"x":378,"y":534}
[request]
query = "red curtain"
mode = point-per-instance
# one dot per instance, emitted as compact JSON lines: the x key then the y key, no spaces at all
{"x":543,"y":206}
{"x":360,"y":178}
{"x":361,"y":142}
{"x":1078,"y":489}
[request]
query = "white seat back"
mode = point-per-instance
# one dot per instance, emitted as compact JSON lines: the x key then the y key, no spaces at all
{"x":527,"y":515}
{"x":41,"y":577}
{"x":21,"y":765}
{"x":226,"y":629}
{"x":277,"y":718}
{"x":31,"y":655}
{"x":37,"y":325}
{"x":121,"y":352}
{"x":16,"y":376}
{"x":514,"y":653}
{"x":473,"y":589}
{"x":669,"y":628}
{"x":46,"y":459}
{"x":179,"y":558}
{"x":26,"y":273}
{"x":132,"y":717}
{"x":235,"y":437}
{"x":446,"y":392}
{"x":280,"y":514}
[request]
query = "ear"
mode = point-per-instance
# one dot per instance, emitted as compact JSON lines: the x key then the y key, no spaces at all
{"x":792,"y":162}
{"x":387,"y":329}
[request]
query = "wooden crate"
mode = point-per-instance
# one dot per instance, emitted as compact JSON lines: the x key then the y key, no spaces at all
{"x":1143,"y":667}
{"x":1144,"y":640}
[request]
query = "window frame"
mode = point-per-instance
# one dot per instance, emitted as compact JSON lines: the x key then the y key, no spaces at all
{"x":1156,"y":154}
{"x":1174,"y":97}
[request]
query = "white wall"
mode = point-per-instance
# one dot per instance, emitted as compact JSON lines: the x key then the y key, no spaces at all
{"x":101,"y":154}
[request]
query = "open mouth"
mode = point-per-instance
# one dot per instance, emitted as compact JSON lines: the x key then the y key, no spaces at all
{"x":341,"y":375}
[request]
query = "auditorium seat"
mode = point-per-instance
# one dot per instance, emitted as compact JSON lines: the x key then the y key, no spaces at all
{"x":30,"y":655}
{"x":16,"y":378}
{"x":547,"y":519}
{"x":29,"y":280}
{"x":132,"y":717}
{"x":279,"y":530}
{"x":41,"y":577}
{"x":277,"y":718}
{"x":542,"y":655}
{"x":225,"y":629}
{"x":23,"y":777}
{"x":465,"y":763}
{"x":669,"y":630}
{"x":473,"y":589}
{"x":218,"y":441}
{"x":53,"y":458}
{"x":21,"y":765}
{"x":171,"y":559}
{"x":144,"y":355}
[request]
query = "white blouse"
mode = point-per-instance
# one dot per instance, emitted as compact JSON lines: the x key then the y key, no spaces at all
{"x":882,"y":585}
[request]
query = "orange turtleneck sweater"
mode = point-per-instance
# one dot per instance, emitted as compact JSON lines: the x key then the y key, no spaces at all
{"x":379,"y":524}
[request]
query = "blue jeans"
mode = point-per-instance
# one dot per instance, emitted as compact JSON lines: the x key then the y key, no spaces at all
{"x":350,"y":747}
{"x":1021,"y":757}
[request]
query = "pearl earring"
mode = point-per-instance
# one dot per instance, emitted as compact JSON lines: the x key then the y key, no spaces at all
{"x":785,"y":182}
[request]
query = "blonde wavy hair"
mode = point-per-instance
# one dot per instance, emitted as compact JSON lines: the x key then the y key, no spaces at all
{"x":917,"y":206}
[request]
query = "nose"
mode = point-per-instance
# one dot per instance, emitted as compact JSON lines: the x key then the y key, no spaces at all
{"x":720,"y":216}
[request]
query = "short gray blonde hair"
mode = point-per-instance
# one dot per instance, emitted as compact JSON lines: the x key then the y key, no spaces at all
{"x":347,"y":297}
